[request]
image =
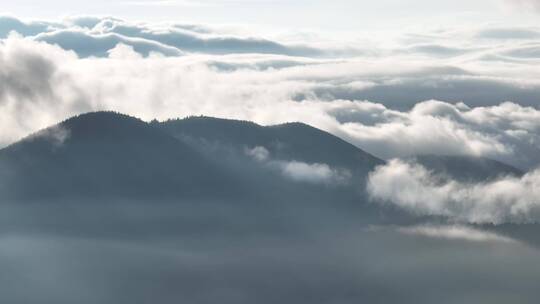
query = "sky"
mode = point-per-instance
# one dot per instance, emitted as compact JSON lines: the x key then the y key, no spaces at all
{"x":342,"y":15}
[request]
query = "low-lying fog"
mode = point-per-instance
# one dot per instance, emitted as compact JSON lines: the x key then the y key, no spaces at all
{"x":231,"y":252}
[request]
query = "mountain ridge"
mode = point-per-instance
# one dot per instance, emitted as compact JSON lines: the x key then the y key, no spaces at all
{"x":106,"y":153}
{"x":112,"y":154}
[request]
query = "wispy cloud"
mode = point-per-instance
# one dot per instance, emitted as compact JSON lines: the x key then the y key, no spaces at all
{"x":455,"y":232}
{"x":315,"y":173}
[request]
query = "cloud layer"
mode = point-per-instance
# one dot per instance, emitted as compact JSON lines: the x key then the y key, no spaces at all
{"x":204,"y":252}
{"x":415,"y":189}
{"x":469,"y":91}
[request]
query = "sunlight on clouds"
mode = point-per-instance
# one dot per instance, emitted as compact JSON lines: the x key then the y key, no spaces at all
{"x":122,"y":51}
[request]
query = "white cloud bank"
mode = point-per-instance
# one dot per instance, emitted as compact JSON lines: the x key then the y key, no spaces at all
{"x":507,"y":132}
{"x":419,"y":191}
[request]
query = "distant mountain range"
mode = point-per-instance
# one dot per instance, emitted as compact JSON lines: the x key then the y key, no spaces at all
{"x":111,"y":155}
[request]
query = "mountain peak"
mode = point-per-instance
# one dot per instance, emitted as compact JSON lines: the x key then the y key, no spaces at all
{"x":110,"y":154}
{"x":287,"y":141}
{"x":104,"y":123}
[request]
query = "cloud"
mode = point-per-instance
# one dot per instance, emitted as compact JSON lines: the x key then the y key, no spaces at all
{"x":455,"y":232}
{"x":446,"y":92}
{"x":11,"y":24}
{"x":524,"y":52}
{"x":260,"y":154}
{"x":122,"y":51}
{"x":265,"y":91}
{"x":404,"y":132}
{"x":314,"y":173}
{"x":33,"y":90}
{"x":88,"y":22}
{"x":86,"y":45}
{"x":405,"y":90}
{"x":438,"y":50}
{"x":413,"y":188}
{"x":382,"y":101}
{"x":56,"y":135}
{"x":506,"y":132}
{"x":92,"y":36}
{"x":525,"y":4}
{"x":214,"y":43}
{"x":509,"y":33}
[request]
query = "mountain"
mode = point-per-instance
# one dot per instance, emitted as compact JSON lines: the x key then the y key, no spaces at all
{"x":106,"y":154}
{"x":290,"y":141}
{"x":112,"y":209}
{"x":467,"y":168}
{"x":110,"y":155}
{"x":284,"y":144}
